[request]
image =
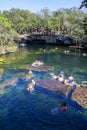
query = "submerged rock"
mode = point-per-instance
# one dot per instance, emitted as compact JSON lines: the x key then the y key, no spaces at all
{"x":78,"y":94}
{"x":9,"y":82}
{"x":40,"y":68}
{"x":54,"y":85}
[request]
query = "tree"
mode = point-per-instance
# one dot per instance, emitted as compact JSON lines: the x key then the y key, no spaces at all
{"x":63,"y":21}
{"x":22,"y":20}
{"x":85,"y":25}
{"x":6,"y":31}
{"x":45,"y":15}
{"x":83,"y":4}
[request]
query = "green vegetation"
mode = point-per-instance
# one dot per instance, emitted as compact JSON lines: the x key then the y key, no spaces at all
{"x":14,"y":61}
{"x":6,"y":31}
{"x":72,"y":22}
{"x":63,"y":21}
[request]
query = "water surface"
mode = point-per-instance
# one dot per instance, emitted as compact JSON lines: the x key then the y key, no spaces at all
{"x":22,"y":110}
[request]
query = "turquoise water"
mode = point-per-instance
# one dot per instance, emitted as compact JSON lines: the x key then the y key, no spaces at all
{"x":22,"y":110}
{"x":70,"y":63}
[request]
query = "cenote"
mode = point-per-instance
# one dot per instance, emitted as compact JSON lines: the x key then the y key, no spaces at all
{"x":22,"y":110}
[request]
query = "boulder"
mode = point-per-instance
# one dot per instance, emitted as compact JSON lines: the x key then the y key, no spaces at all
{"x":80,"y":96}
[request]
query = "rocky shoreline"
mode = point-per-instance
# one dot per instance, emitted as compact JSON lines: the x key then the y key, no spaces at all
{"x":8,"y":49}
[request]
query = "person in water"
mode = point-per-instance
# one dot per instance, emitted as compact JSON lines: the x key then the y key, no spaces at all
{"x":63,"y":107}
{"x":29,"y":74}
{"x":56,"y":110}
{"x":30,"y":86}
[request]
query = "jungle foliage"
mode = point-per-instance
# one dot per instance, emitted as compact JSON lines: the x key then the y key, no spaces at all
{"x":72,"y":22}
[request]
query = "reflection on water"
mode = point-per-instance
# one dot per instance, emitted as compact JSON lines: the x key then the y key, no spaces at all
{"x":21,"y":110}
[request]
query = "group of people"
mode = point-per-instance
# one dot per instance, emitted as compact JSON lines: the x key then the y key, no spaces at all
{"x":30,"y":86}
{"x":61,"y":78}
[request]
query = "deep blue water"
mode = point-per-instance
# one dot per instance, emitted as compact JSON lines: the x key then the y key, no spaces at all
{"x":22,"y":110}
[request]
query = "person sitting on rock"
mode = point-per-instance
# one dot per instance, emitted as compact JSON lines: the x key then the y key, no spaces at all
{"x":53,"y":76}
{"x":61,"y":77}
{"x":61,"y":74}
{"x":70,"y":79}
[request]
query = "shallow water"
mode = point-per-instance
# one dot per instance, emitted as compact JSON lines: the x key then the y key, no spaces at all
{"x":22,"y":110}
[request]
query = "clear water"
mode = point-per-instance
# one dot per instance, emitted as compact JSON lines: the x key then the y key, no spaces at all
{"x":22,"y":110}
{"x":75,"y":65}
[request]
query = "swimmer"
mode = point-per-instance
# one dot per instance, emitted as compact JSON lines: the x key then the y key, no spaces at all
{"x":29,"y":74}
{"x":30,"y":87}
{"x":33,"y":82}
{"x":63,"y":107}
{"x":56,"y":110}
